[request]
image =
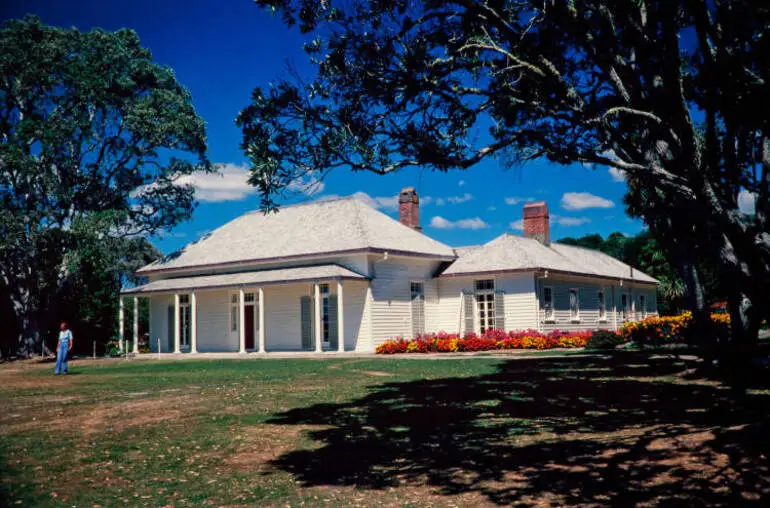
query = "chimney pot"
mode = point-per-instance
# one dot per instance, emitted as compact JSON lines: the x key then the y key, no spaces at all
{"x":537,"y":223}
{"x":409,"y":208}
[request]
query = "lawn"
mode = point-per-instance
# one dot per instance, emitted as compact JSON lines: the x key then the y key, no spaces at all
{"x":630,"y":428}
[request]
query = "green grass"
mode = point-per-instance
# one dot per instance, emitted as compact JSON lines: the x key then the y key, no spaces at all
{"x":375,"y":432}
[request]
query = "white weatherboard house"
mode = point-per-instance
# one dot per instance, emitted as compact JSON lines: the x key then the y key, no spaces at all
{"x":341,"y":276}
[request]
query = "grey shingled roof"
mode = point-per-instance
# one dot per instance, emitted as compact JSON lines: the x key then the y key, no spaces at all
{"x":517,"y":253}
{"x":247,"y":279}
{"x":320,"y":227}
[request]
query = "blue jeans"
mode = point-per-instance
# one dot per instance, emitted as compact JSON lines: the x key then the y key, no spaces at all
{"x":61,"y":358}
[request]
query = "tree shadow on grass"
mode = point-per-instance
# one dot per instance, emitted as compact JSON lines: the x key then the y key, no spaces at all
{"x":556,"y":431}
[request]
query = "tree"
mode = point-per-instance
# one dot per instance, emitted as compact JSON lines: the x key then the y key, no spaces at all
{"x":94,"y":137}
{"x":670,"y":92}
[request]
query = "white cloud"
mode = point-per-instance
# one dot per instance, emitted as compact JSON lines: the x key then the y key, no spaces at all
{"x":618,"y":175}
{"x":557,"y":220}
{"x":747,"y":202}
{"x":308,"y":185}
{"x":583,"y":200}
{"x":569,"y":221}
{"x":473,"y":223}
{"x":440,"y":201}
{"x":380,"y":202}
{"x":461,"y":183}
{"x":228,"y":183}
{"x":456,"y":200}
{"x":491,"y":208}
{"x":517,"y":200}
{"x":426,"y":200}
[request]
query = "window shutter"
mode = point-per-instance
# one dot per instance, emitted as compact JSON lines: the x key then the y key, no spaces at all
{"x":418,"y":314}
{"x":170,"y":328}
{"x":333,"y":322}
{"x":499,"y":310}
{"x":468,"y":323}
{"x":306,"y":318}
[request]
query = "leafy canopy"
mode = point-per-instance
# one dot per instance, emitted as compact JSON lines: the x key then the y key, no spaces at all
{"x":93,"y":137}
{"x":673,"y":93}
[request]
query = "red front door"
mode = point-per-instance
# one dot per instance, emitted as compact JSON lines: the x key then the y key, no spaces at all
{"x":249,"y":332}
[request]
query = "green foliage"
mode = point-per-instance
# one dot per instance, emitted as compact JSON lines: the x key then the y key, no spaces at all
{"x":604,"y":339}
{"x":94,"y":138}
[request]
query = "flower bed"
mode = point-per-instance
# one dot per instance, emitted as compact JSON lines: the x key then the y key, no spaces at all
{"x":656,"y":330}
{"x":444,"y":342}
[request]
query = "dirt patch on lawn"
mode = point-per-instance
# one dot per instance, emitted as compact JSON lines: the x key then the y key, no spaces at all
{"x":376,"y":373}
{"x":56,"y":414}
{"x":259,"y":445}
{"x":136,"y":413}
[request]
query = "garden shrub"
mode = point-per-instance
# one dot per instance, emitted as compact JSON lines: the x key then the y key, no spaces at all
{"x":604,"y":339}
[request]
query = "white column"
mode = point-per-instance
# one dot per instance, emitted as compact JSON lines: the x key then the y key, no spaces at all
{"x":317,"y":293}
{"x":136,"y":324}
{"x":177,"y":348}
{"x":340,"y":319}
{"x":121,"y":323}
{"x":194,"y":323}
{"x":242,"y":321}
{"x":261,"y":320}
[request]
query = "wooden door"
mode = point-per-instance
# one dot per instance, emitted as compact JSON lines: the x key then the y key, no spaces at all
{"x":249,"y":315}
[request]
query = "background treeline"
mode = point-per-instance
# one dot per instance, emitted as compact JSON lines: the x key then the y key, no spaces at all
{"x":641,"y":251}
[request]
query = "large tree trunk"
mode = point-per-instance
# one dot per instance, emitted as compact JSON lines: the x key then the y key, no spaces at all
{"x":30,"y":342}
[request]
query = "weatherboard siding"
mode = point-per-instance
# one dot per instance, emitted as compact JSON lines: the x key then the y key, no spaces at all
{"x":391,"y":311}
{"x":518,"y":301}
{"x":588,"y":317}
{"x":214,"y":322}
{"x":159,"y":323}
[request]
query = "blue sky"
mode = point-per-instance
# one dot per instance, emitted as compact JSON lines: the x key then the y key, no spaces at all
{"x":222,"y":50}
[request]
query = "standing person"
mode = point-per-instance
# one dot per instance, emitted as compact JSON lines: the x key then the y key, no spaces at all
{"x":62,"y":349}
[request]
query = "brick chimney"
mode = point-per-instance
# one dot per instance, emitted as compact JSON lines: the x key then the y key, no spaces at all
{"x":537,"y":224}
{"x":409,"y":208}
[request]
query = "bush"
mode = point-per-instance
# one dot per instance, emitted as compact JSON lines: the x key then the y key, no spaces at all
{"x":655,"y":330}
{"x":604,"y":339}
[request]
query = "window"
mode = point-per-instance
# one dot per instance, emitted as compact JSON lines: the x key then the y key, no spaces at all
{"x":485,"y":303}
{"x":574,"y":304}
{"x":548,"y":302}
{"x":624,"y":305}
{"x":234,"y":312}
{"x":185,"y":316}
{"x":325,"y":315}
{"x":248,"y":297}
{"x":602,"y":305}
{"x":417,"y":293}
{"x":323,"y":289}
{"x":643,"y":305}
{"x":485,"y":285}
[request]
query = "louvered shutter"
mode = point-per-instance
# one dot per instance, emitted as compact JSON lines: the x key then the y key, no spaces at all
{"x":499,"y":310}
{"x":333,"y":322}
{"x":171,"y":323}
{"x":468,"y":322}
{"x":418,"y":309}
{"x":306,"y":318}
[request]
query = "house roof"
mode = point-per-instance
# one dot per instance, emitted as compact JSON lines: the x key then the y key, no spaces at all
{"x":343,"y":225}
{"x":517,"y":253}
{"x":246,"y":279}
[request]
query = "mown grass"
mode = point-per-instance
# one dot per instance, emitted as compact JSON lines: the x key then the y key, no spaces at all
{"x":606,"y":429}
